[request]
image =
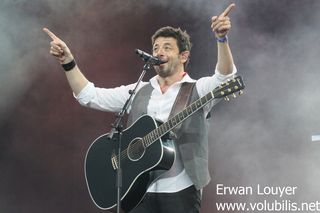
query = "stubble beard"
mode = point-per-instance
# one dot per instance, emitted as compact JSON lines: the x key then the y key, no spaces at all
{"x":165,"y":70}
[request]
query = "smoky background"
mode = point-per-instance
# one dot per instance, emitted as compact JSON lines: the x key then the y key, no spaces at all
{"x":262,"y":137}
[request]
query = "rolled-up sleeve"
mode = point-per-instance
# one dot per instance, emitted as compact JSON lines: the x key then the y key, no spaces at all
{"x":222,"y":78}
{"x":104,"y":99}
{"x":207,"y":84}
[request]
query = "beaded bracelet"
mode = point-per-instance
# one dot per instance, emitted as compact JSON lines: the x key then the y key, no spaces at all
{"x":222,"y":40}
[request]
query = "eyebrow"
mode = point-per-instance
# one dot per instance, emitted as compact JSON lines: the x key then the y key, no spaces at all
{"x":167,"y":43}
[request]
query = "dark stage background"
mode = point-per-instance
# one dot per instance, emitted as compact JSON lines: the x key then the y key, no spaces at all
{"x":262,"y":137}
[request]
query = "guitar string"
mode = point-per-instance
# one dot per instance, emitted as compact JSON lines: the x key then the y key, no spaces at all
{"x":134,"y":146}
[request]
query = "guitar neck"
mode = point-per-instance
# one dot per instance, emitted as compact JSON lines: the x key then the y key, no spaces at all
{"x":225,"y":89}
{"x":177,"y":119}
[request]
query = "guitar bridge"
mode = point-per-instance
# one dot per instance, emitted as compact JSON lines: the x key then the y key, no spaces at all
{"x":114,"y":161}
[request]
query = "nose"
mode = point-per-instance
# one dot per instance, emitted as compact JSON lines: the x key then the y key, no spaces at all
{"x":159,"y":53}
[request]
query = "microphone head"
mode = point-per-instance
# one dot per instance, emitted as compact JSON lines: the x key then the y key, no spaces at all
{"x":149,"y":58}
{"x":137,"y":51}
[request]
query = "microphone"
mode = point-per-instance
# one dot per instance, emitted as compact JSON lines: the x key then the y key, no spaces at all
{"x":149,"y":58}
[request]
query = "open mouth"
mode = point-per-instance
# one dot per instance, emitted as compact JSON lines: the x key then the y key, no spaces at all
{"x":162,"y":65}
{"x":164,"y":62}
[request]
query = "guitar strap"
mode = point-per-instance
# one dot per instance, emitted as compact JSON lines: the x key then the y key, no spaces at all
{"x":181,"y":101}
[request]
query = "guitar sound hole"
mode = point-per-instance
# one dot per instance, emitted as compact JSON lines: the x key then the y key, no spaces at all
{"x":135,"y":149}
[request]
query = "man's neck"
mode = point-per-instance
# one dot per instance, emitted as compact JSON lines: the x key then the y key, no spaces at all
{"x":166,"y":82}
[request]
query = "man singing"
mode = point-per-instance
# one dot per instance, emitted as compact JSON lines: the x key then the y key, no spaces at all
{"x":179,"y":189}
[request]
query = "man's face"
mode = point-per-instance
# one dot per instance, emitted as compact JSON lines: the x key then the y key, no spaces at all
{"x":166,"y":48}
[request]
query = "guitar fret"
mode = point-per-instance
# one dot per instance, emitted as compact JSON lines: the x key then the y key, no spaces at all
{"x":146,"y":143}
{"x":157,"y":133}
{"x":209,"y":96}
{"x":150,"y":139}
{"x":160,"y":130}
{"x":198,"y":102}
{"x":170,"y":124}
{"x":147,"y":139}
{"x":203,"y":100}
{"x":181,"y":116}
{"x":143,"y":143}
{"x":153,"y":134}
{"x":185,"y":113}
{"x":167,"y":125}
{"x":175,"y":120}
{"x":163,"y":128}
{"x":189,"y":109}
{"x":193,"y":107}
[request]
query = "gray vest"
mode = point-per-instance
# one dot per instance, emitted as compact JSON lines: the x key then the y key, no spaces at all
{"x":191,"y":138}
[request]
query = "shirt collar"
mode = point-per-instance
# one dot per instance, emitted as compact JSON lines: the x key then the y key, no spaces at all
{"x":186,"y":78}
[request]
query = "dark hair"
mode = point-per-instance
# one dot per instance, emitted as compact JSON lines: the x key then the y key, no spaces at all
{"x":182,"y":37}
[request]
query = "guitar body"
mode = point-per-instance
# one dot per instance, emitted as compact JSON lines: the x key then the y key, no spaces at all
{"x":137,"y":162}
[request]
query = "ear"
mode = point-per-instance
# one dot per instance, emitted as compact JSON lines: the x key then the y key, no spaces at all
{"x":184,"y":56}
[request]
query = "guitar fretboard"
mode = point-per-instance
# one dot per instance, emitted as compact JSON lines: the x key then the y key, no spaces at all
{"x":229,"y":87}
{"x":164,"y":128}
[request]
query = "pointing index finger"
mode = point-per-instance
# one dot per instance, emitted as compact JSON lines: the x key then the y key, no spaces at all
{"x":227,"y":10}
{"x":50,"y":34}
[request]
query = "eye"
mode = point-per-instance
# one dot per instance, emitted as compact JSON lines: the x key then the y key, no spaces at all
{"x":167,"y":48}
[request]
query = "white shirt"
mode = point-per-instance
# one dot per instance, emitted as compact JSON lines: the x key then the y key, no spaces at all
{"x":159,"y":108}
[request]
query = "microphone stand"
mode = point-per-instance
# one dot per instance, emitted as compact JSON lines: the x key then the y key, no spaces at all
{"x":117,"y":128}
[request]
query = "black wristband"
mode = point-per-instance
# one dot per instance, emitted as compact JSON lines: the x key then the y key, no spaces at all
{"x":69,"y":66}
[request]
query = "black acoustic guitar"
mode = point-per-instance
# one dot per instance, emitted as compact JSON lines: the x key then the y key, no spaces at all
{"x":142,"y":151}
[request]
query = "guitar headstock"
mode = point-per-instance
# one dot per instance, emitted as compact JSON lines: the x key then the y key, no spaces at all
{"x":230,"y":87}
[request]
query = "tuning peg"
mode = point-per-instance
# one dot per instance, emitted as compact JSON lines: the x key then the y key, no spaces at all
{"x":226,"y":98}
{"x":240,"y":92}
{"x":234,"y":95}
